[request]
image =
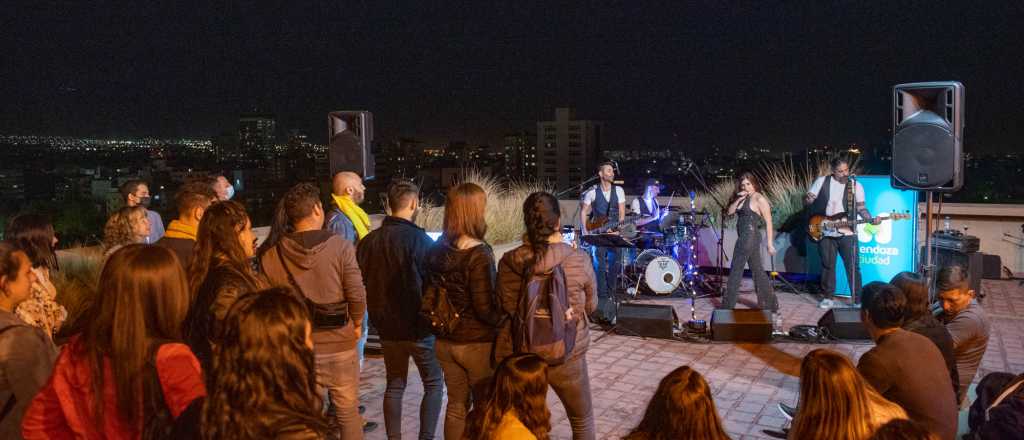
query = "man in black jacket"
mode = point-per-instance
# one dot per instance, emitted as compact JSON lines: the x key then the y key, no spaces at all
{"x":391,"y":259}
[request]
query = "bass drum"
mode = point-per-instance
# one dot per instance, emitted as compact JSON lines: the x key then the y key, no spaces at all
{"x":658,"y":272}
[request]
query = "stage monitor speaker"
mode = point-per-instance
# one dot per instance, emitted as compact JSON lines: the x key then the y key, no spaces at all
{"x":844,"y":323}
{"x":972,"y":262}
{"x":741,"y":325}
{"x":648,"y":320}
{"x":350,"y":135}
{"x":927,"y":139}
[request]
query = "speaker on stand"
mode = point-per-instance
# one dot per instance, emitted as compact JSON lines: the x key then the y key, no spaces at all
{"x":350,"y":135}
{"x":927,"y":145}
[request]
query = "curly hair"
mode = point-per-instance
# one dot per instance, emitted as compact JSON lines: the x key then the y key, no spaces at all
{"x":263,"y":377}
{"x":681,"y":408}
{"x":540,"y":215}
{"x":217,"y":244}
{"x":119,"y":230}
{"x":520,"y":384}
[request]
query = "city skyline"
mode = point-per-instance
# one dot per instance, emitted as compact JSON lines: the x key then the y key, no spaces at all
{"x":685,"y":76}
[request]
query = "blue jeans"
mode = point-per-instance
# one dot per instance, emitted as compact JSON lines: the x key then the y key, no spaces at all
{"x":467,"y":373}
{"x":607,"y":271}
{"x":396,"y":364}
{"x":361,"y":345}
{"x":337,"y":375}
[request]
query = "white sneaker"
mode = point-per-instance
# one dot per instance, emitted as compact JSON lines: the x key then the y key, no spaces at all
{"x":826,"y":303}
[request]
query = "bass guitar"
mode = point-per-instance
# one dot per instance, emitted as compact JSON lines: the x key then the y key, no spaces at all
{"x":818,"y":225}
{"x":601,"y":225}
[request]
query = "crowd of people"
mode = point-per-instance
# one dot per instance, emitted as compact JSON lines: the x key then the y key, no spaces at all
{"x":195,"y":332}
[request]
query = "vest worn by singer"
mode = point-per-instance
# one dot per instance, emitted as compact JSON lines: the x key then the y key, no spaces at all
{"x":820,"y":204}
{"x":602,"y":207}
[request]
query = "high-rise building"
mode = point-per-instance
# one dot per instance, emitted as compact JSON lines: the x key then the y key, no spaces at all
{"x":257,"y":133}
{"x":521,"y":155}
{"x":568,"y":150}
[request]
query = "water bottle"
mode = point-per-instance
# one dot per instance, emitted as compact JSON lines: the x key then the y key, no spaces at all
{"x":777,"y":323}
{"x":946,"y":225}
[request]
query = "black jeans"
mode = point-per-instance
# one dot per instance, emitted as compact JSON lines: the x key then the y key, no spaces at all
{"x":846,"y":246}
{"x":396,"y":363}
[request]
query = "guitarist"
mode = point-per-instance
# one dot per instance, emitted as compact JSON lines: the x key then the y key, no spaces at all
{"x":829,"y":195}
{"x":604,"y":201}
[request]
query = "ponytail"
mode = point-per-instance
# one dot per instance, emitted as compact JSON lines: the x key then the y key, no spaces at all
{"x":541,"y":214}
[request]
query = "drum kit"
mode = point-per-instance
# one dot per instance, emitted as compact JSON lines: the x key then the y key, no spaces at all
{"x":655,"y":263}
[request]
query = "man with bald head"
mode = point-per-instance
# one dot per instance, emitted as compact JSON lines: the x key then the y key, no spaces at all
{"x":346,"y":218}
{"x":349,"y":221}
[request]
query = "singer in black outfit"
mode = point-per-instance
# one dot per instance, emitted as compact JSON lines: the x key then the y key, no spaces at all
{"x":750,"y":207}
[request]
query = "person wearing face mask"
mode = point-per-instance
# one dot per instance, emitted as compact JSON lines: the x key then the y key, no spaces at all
{"x":135,"y":192}
{"x":223,"y":187}
{"x":26,"y":353}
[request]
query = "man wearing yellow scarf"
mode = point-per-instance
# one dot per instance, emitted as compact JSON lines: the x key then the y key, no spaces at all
{"x":349,"y":221}
{"x":346,"y":218}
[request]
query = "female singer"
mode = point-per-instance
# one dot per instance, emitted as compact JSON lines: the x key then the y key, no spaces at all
{"x":750,"y":207}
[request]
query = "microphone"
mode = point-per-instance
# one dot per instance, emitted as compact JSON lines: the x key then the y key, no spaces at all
{"x":615,"y":166}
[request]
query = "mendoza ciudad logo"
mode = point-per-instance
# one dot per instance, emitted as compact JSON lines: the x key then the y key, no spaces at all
{"x":873,"y":239}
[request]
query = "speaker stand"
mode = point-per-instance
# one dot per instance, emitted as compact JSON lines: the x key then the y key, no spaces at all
{"x":928,"y":266}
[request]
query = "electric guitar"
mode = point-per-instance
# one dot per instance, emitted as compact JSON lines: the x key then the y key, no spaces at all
{"x":818,"y":225}
{"x":601,"y":225}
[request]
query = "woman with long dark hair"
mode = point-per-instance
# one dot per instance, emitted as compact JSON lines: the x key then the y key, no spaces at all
{"x":517,"y":407}
{"x":541,"y":251}
{"x":462,"y":263}
{"x":124,"y":376}
{"x":263,"y":381}
{"x":33,"y":234}
{"x":836,"y":401}
{"x":681,"y":409}
{"x":26,"y":353}
{"x":751,"y":208}
{"x":221,"y":271}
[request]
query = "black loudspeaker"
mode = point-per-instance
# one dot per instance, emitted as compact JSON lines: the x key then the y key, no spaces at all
{"x":927,"y":139}
{"x":991,"y":267}
{"x":649,"y":320}
{"x":844,"y":323}
{"x":972,"y":262}
{"x":742,"y":325}
{"x":351,"y":139}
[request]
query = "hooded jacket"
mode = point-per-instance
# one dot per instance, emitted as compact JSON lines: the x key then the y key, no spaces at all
{"x":468,"y":276}
{"x":579,"y":277}
{"x":324,"y":266}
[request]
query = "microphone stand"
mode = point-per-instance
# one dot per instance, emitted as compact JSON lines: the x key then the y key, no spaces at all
{"x":719,"y":233}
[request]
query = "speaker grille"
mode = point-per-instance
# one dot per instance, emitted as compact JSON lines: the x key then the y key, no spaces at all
{"x":923,"y":155}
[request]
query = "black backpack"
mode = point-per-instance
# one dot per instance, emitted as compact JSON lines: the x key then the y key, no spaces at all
{"x":436,"y":307}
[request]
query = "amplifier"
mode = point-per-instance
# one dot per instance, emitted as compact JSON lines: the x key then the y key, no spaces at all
{"x":956,"y":241}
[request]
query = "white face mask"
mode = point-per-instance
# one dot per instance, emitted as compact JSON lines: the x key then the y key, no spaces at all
{"x":230,"y":192}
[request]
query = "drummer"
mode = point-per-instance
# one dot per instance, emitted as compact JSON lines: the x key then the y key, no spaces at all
{"x":646,"y":206}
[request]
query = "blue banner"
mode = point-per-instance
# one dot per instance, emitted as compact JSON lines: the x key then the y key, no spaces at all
{"x":890,"y":247}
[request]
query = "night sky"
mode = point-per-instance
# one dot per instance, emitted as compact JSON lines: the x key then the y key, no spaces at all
{"x":784,"y":74}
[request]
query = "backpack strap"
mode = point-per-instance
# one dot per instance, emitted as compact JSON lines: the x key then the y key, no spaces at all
{"x":291,"y":278}
{"x":1002,"y":396}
